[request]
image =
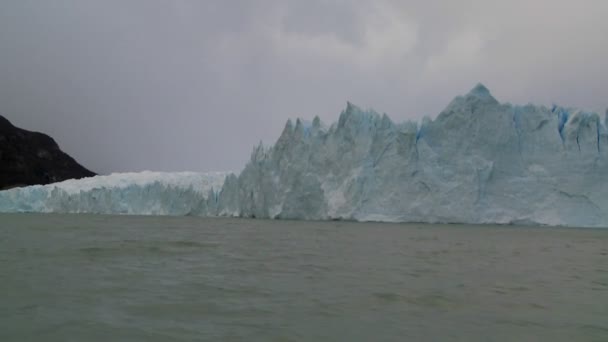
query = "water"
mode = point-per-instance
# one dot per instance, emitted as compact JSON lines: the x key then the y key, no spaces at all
{"x":104,"y":278}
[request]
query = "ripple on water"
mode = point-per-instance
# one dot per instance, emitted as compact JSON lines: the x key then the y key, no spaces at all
{"x":131,"y":247}
{"x":427,"y":301}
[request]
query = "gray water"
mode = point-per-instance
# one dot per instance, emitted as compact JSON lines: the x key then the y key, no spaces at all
{"x":108,"y":278}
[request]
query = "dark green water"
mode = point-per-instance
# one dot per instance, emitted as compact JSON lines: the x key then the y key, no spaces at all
{"x":107,"y":278}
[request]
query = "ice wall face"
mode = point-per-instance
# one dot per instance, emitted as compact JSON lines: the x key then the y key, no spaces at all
{"x":145,"y":193}
{"x":479,"y":161}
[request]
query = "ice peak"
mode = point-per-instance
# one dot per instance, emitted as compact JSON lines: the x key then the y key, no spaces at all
{"x":480,"y":90}
{"x":350,"y":111}
{"x":351,"y":108}
{"x":355,"y":116}
{"x":288,"y":130}
{"x":316,"y":122}
{"x":304,"y":125}
{"x":289,"y":124}
{"x":258,"y":152}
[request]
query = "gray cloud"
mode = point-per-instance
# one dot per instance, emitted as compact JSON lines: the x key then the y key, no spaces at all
{"x":193,"y":85}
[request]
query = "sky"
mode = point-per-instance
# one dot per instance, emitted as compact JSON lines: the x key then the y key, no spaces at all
{"x":174,"y":85}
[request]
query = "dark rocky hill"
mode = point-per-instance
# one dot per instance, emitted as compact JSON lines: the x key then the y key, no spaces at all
{"x":28,"y":158}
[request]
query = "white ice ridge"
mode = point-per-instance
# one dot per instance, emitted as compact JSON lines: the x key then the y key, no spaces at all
{"x":142,"y":193}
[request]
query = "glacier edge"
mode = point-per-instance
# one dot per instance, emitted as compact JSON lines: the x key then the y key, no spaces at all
{"x":479,"y":161}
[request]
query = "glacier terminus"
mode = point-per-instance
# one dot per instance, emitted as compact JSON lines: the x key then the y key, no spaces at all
{"x":141,"y":193}
{"x":478,"y":161}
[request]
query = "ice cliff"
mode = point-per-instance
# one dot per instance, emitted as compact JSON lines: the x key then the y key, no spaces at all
{"x":144,"y":193}
{"x":479,"y":161}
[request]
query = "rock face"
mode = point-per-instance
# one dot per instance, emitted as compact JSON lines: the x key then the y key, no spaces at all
{"x":28,"y":158}
{"x":479,"y":161}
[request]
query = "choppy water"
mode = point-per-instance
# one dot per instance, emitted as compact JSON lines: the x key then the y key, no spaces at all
{"x":102,"y":278}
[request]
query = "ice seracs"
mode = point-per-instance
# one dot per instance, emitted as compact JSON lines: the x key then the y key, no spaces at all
{"x":479,"y":161}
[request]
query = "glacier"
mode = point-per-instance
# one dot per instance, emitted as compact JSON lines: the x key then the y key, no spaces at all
{"x":479,"y":161}
{"x":142,"y":193}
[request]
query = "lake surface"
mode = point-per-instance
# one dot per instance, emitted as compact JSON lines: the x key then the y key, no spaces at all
{"x":118,"y":278}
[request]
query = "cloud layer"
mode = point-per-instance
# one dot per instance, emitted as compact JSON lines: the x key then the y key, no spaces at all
{"x":192,"y":85}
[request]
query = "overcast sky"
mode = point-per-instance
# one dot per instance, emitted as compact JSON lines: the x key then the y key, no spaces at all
{"x":129,"y":85}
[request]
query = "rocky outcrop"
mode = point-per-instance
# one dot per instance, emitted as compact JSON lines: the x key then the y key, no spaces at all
{"x":28,"y":158}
